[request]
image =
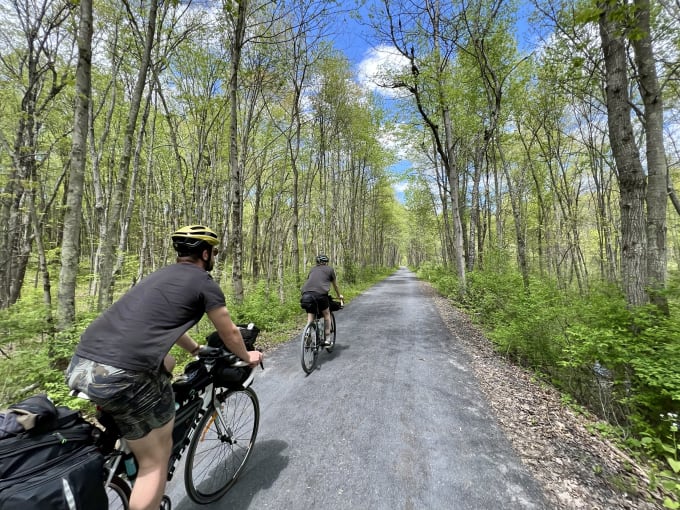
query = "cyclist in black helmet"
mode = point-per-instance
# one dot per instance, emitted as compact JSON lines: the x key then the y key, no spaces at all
{"x":122,"y":359}
{"x":318,"y":284}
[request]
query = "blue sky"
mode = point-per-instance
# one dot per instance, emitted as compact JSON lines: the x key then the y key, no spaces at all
{"x":357,"y":42}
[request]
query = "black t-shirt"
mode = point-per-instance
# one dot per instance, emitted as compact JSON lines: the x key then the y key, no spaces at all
{"x":319,"y":279}
{"x":139,"y":329}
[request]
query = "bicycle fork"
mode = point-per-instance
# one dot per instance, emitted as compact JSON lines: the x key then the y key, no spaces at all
{"x":222,"y":430}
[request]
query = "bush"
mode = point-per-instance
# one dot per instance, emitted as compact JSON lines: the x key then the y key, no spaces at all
{"x":623,"y":364}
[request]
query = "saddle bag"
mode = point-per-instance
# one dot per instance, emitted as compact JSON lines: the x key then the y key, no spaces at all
{"x":308,"y":302}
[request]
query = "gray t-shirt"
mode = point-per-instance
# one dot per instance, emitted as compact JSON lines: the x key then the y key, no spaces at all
{"x":319,"y":279}
{"x":139,"y":329}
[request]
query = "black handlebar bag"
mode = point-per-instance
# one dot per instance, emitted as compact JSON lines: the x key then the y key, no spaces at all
{"x":55,"y":467}
{"x":225,"y":375}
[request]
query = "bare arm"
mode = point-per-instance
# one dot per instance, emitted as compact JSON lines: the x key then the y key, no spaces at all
{"x":231,"y":336}
{"x":187,"y":343}
{"x":337,"y":291}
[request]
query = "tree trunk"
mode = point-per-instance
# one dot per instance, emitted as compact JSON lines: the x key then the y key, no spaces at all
{"x":132,"y":193}
{"x":657,"y":170}
{"x":454,"y":191}
{"x":108,"y":241}
{"x":236,"y":237}
{"x":626,"y":155}
{"x":70,"y":246}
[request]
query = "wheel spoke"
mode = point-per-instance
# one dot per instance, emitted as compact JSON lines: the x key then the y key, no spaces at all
{"x":308,"y":347}
{"x":221,"y":446}
{"x":118,"y":494}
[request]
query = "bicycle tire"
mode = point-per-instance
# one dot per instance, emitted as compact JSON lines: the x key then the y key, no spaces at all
{"x":309,"y":352}
{"x":166,"y":504}
{"x":118,"y":494}
{"x":331,"y":338}
{"x":221,"y":445}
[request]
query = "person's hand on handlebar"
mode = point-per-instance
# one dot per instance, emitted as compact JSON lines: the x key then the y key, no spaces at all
{"x":254,"y":358}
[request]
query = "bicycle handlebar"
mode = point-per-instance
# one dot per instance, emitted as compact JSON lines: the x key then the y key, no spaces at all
{"x":214,"y":353}
{"x":206,"y":352}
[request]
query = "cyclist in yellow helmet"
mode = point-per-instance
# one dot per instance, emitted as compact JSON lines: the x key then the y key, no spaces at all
{"x":122,"y":359}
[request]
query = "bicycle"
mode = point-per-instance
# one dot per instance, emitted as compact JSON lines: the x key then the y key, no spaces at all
{"x":312,"y":339}
{"x":217,"y":417}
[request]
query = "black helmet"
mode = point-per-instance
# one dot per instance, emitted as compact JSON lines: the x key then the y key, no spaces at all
{"x":193,"y":238}
{"x":321,"y":259}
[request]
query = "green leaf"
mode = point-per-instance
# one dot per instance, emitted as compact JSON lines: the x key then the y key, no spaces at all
{"x":674,"y":464}
{"x":669,"y":503}
{"x":669,"y":448}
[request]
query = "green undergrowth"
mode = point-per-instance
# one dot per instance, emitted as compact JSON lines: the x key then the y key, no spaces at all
{"x":622,"y":364}
{"x":33,"y":357}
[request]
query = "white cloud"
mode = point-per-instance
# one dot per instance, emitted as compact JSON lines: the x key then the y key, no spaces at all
{"x":378,"y":64}
{"x":401,"y":186}
{"x":392,"y":139}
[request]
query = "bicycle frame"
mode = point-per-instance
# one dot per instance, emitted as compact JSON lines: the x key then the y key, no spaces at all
{"x":206,"y":404}
{"x":310,"y":346}
{"x":122,"y":450}
{"x":207,"y":397}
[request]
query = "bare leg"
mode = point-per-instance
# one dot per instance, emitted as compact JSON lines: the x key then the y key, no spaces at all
{"x":152,"y":453}
{"x":327,"y":321}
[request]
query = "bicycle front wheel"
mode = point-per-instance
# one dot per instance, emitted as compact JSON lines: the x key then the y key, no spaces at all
{"x":118,"y":494}
{"x":309,"y":351}
{"x":221,"y":445}
{"x":331,"y":337}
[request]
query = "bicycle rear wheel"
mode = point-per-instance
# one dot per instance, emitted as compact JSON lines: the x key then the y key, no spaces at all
{"x":331,"y":337}
{"x":309,"y":349}
{"x":118,"y":494}
{"x":221,"y":445}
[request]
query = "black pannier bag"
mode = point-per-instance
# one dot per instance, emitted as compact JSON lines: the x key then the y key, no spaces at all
{"x":225,"y":375}
{"x":37,"y":413}
{"x":56,"y":469}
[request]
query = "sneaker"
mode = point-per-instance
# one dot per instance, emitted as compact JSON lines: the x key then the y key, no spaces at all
{"x":327,"y":342}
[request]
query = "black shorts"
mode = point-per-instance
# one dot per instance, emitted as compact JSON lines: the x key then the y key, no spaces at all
{"x":313,"y":302}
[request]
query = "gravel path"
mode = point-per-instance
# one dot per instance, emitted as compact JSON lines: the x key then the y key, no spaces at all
{"x":577,"y":469}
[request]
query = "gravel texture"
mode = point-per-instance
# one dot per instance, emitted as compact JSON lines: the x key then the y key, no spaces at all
{"x":577,"y":469}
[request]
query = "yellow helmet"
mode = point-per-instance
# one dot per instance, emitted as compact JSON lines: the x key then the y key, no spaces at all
{"x":191,"y":238}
